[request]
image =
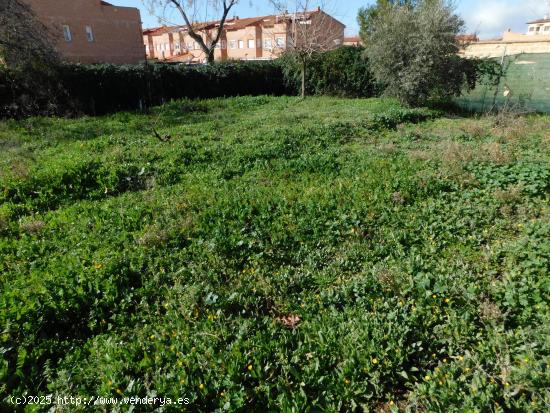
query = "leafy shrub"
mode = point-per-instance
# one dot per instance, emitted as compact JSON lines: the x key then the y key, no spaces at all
{"x":396,"y":116}
{"x":340,"y":72}
{"x":413,"y":50}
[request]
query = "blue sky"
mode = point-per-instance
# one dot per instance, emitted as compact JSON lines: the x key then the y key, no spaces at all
{"x":488,"y":18}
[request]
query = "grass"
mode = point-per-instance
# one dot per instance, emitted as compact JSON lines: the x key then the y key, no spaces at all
{"x":279,"y":255}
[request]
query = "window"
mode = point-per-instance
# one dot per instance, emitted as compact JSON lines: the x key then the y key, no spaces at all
{"x":89,"y":33}
{"x":268,"y":44}
{"x":547,"y":28}
{"x":177,"y":45}
{"x":232,"y":44}
{"x":67,"y":33}
{"x":241,"y":44}
{"x":251,"y":44}
{"x":531,"y":29}
{"x":190,"y":46}
{"x":280,"y":41}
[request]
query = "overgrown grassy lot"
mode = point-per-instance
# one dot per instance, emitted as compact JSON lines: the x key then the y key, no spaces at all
{"x":278,"y":255}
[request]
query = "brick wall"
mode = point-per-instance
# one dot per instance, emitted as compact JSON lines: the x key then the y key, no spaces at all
{"x":115,"y":33}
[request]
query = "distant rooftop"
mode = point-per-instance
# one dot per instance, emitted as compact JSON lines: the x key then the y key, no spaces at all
{"x":545,"y":20}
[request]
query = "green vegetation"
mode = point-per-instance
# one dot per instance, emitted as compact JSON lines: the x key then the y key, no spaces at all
{"x":278,"y":254}
{"x":412,"y":49}
{"x":102,"y":89}
{"x":343,"y":72}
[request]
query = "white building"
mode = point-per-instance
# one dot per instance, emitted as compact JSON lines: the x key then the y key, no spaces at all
{"x":539,"y":27}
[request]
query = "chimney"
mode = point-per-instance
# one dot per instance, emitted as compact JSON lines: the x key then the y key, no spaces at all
{"x":318,"y":8}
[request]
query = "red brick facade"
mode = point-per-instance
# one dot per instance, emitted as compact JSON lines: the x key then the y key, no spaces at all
{"x":93,"y":31}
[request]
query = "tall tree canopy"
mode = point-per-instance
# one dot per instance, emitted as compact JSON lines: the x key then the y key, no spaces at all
{"x":24,"y":40}
{"x":367,"y":15}
{"x":413,"y":49}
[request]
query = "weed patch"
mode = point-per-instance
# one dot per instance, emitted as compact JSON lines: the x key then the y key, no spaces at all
{"x":277,"y":254}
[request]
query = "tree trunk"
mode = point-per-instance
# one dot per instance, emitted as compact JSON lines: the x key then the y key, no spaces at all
{"x":304,"y":68}
{"x":210,"y":57}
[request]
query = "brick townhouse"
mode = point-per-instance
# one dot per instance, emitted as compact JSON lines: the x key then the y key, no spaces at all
{"x":253,"y":38}
{"x":92,"y":31}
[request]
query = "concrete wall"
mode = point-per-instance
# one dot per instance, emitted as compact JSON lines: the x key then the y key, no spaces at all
{"x":117,"y":32}
{"x":513,"y":46}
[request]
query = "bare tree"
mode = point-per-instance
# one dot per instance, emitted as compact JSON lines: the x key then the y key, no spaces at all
{"x":197,"y":16}
{"x":24,"y":40}
{"x":309,"y":30}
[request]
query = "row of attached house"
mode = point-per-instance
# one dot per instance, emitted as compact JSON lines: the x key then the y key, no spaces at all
{"x":92,"y":31}
{"x":254,"y":38}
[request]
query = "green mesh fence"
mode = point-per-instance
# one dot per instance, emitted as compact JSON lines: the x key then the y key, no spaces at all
{"x":527,"y":79}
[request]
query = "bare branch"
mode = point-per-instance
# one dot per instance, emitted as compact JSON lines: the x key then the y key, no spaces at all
{"x":206,"y":34}
{"x":310,"y":30}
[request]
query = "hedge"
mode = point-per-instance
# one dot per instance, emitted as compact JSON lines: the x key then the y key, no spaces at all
{"x":100,"y":89}
{"x":341,"y":72}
